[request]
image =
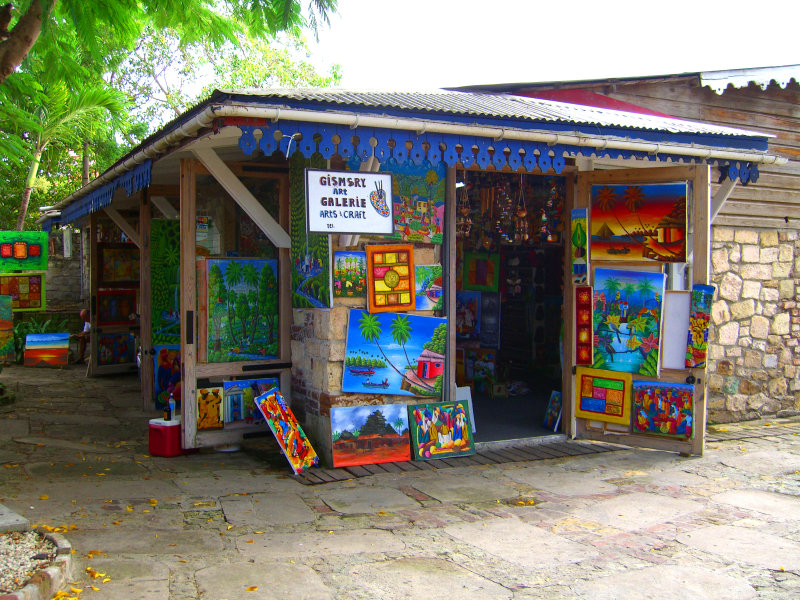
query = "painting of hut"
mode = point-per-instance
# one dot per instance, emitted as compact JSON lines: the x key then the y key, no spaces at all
{"x":365,"y":435}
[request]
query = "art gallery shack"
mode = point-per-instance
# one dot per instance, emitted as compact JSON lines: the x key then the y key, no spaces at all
{"x":562,"y":248}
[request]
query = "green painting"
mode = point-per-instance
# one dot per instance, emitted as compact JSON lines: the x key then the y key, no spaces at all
{"x":418,"y":195}
{"x":165,"y":265}
{"x":311,"y":274}
{"x":23,"y":251}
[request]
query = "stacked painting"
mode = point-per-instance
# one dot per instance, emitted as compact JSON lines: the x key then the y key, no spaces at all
{"x":440,"y":430}
{"x":287,"y":431}
{"x":364,"y":435}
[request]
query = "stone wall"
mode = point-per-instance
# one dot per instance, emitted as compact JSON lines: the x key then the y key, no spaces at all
{"x":63,"y":286}
{"x":754,"y":347}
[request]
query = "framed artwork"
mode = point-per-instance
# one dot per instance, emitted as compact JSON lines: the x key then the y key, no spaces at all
{"x":7,"y":349}
{"x":579,"y":253}
{"x":627,"y":320}
{"x":699,"y":321}
{"x":46,"y":350}
{"x":165,"y":263}
{"x":239,"y":398}
{"x":489,"y":334}
{"x":661,"y":408}
{"x":349,"y":274}
{"x":115,"y":349}
{"x":603,"y":395}
{"x":287,"y":431}
{"x":481,"y":272}
{"x":167,"y":379}
{"x":584,"y":345}
{"x":209,"y":408}
{"x":552,"y":414}
{"x":468,"y":315}
{"x":23,"y":251}
{"x":418,"y":193}
{"x":26,"y":291}
{"x":639,"y":222}
{"x":394,"y":353}
{"x":116,"y":307}
{"x":440,"y":430}
{"x":677,"y":305}
{"x":119,"y":264}
{"x":428,"y":287}
{"x":366,"y":435}
{"x":390,"y":278}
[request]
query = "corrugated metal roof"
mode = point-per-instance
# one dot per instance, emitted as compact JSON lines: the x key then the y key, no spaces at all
{"x":500,"y":106}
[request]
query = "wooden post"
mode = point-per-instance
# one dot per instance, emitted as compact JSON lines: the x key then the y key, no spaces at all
{"x":574,"y":197}
{"x":188,"y":293}
{"x":449,"y":281}
{"x":145,"y":314}
{"x":94,"y":277}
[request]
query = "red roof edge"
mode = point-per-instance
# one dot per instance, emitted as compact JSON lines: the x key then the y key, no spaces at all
{"x":587,"y":98}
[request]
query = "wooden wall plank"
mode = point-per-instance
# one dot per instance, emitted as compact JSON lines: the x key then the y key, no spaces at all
{"x":145,"y":315}
{"x":188,"y":303}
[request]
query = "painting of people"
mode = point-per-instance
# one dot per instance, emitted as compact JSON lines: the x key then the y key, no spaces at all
{"x":440,"y":430}
{"x":366,"y":435}
{"x":287,"y":431}
{"x":699,"y":322}
{"x":418,"y":193}
{"x":167,"y":380}
{"x":349,"y":274}
{"x":468,"y":315}
{"x":662,"y":408}
{"x":209,"y":408}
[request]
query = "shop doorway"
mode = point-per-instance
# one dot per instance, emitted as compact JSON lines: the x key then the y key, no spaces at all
{"x":509,"y":296}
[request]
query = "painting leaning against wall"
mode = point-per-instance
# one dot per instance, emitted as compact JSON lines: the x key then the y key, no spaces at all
{"x":165,"y":264}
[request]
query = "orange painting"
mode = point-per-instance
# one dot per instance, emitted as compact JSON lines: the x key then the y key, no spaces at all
{"x":390,"y":273}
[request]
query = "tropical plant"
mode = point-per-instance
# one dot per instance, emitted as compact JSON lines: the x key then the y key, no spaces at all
{"x":401,"y":333}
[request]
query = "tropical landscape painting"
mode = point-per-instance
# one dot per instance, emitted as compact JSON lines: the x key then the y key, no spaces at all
{"x":627,"y":320}
{"x":366,"y":435}
{"x":428,"y":287}
{"x":242,"y":309}
{"x":394,"y":353}
{"x":165,"y":264}
{"x":639,"y":222}
{"x":349,"y":274}
{"x":418,"y":195}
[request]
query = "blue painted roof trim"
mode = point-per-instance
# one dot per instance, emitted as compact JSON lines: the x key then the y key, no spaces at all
{"x":131,"y":181}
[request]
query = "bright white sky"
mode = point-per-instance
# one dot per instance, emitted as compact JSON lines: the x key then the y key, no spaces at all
{"x":423,"y":44}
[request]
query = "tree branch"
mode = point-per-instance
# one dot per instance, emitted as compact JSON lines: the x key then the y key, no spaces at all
{"x":21,"y":38}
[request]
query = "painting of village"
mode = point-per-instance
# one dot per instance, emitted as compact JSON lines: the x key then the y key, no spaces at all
{"x":440,"y":430}
{"x":366,"y":435}
{"x":290,"y":436}
{"x":627,"y":320}
{"x":239,"y":398}
{"x":418,"y":195}
{"x":639,"y":222}
{"x":242,"y":309}
{"x":349,"y":274}
{"x":428,"y":287}
{"x":662,"y":408}
{"x":394,"y":353}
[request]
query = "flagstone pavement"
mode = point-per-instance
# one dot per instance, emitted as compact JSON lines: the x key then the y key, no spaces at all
{"x":213,"y":525}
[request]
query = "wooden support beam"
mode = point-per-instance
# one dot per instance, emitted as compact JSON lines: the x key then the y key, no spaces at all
{"x":188,"y":304}
{"x":126,"y":227}
{"x":723,"y":193}
{"x":166,"y":208}
{"x":145,"y":313}
{"x":449,"y":264}
{"x":252,"y":207}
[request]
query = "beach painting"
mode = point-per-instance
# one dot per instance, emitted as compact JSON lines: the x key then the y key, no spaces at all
{"x":428,"y":287}
{"x":366,"y":435}
{"x":287,"y":431}
{"x":644,"y":222}
{"x":440,"y":430}
{"x":349,"y":274}
{"x":394,"y":353}
{"x":661,"y":408}
{"x":46,"y":350}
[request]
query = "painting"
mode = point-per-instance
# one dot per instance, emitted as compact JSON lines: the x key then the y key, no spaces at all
{"x":165,"y":264}
{"x":699,"y":321}
{"x":46,"y":350}
{"x":239,"y":398}
{"x":489,"y":335}
{"x":661,"y":408}
{"x":116,"y":307}
{"x":677,"y":306}
{"x":627,"y":320}
{"x":418,"y":193}
{"x":480,"y":365}
{"x":481,"y":272}
{"x":23,"y":251}
{"x":167,"y":380}
{"x":26,"y":291}
{"x":366,"y":435}
{"x":639,"y":222}
{"x":584,"y":346}
{"x":579,"y":253}
{"x":115,"y":349}
{"x":242,"y":309}
{"x":552,"y":414}
{"x":393,"y":353}
{"x":7,"y":350}
{"x":349,"y":274}
{"x":390,"y":278}
{"x":287,"y":431}
{"x":468,"y":315}
{"x":428,"y":287}
{"x":119,"y":264}
{"x":310,"y":252}
{"x":603,"y":395}
{"x":209,"y":408}
{"x":440,"y":430}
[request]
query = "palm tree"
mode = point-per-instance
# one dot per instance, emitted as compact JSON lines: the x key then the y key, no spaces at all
{"x":606,"y":200}
{"x":634,"y":199}
{"x":629,"y":289}
{"x":250,"y":277}
{"x":612,"y":285}
{"x":645,"y":288}
{"x":401,"y":333}
{"x":370,"y":328}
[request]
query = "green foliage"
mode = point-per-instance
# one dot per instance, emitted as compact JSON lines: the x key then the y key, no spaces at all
{"x":35,"y":325}
{"x":650,"y":364}
{"x":599,"y":360}
{"x":438,"y":341}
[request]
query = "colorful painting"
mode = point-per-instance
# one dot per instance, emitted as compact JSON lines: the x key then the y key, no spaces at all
{"x":584,"y":346}
{"x":7,"y":351}
{"x":390,"y":278}
{"x":239,"y":398}
{"x":115,"y":349}
{"x":165,"y":265}
{"x":428,"y":287}
{"x":468,"y":315}
{"x":349,"y":274}
{"x":639,"y":222}
{"x":119,"y":264}
{"x":393,"y":353}
{"x":310,"y":252}
{"x":699,"y":321}
{"x":167,"y":380}
{"x":287,"y":431}
{"x":46,"y":350}
{"x":661,"y":408}
{"x":440,"y":430}
{"x":627,"y":320}
{"x":209,"y":408}
{"x":366,"y":435}
{"x":26,"y":291}
{"x":489,"y":335}
{"x":418,"y":195}
{"x":242,"y":309}
{"x":116,"y":307}
{"x":481,"y":272}
{"x":23,"y":251}
{"x":603,"y":395}
{"x":579,"y":253}
{"x":552,"y":414}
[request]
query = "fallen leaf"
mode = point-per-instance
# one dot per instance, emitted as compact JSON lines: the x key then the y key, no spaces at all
{"x":230,"y":527}
{"x":249,"y":542}
{"x":252,"y":588}
{"x":153,"y":501}
{"x":106,"y":579}
{"x":44,"y":497}
{"x":75,"y":590}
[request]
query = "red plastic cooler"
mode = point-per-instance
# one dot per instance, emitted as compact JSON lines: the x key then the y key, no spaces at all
{"x":165,"y":437}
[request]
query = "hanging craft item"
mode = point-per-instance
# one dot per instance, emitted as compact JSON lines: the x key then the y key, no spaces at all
{"x":551,"y":225}
{"x":521,"y":216}
{"x":464,"y":210}
{"x":390,"y":272}
{"x":584,"y":350}
{"x":481,"y":272}
{"x":661,"y":408}
{"x":23,"y":251}
{"x":603,"y":395}
{"x":579,"y":255}
{"x":699,"y":320}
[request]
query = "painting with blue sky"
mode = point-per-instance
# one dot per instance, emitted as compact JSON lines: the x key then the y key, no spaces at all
{"x":365,"y":435}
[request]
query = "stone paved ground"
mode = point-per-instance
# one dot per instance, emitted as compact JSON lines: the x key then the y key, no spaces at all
{"x":626,"y":524}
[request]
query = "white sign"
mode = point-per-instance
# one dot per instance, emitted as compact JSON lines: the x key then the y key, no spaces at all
{"x":349,"y":202}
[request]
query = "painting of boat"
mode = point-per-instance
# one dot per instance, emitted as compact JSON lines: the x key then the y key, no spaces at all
{"x":383,"y":384}
{"x":361,"y":371}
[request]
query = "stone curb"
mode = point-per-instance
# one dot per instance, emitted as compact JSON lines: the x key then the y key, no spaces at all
{"x":47,"y":582}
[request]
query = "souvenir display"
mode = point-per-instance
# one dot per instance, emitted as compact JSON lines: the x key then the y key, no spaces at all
{"x":603,"y":395}
{"x":287,"y":431}
{"x":349,"y":274}
{"x":699,"y":321}
{"x":23,"y":251}
{"x":390,"y":278}
{"x":26,"y":291}
{"x":440,"y":430}
{"x":428,"y":287}
{"x":661,"y":408}
{"x":365,"y":435}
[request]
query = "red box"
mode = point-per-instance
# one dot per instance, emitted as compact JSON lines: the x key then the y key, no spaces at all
{"x":165,"y":437}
